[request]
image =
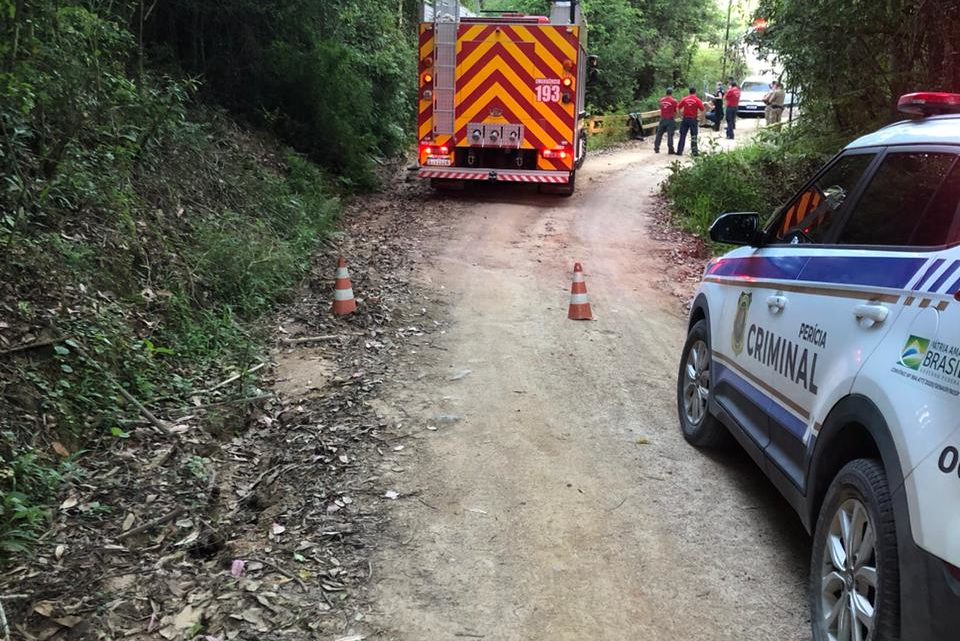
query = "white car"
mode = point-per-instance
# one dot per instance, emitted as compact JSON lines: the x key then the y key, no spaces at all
{"x":752,"y":91}
{"x":828,"y":344}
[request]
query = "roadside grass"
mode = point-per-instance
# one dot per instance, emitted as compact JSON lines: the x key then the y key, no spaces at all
{"x":608,"y":137}
{"x":759,"y":177}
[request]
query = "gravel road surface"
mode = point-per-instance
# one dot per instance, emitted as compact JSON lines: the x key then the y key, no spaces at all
{"x":556,"y":499}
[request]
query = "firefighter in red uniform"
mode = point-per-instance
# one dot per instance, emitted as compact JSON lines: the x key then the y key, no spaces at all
{"x":668,"y":124}
{"x":690,"y":108}
{"x":732,"y":98}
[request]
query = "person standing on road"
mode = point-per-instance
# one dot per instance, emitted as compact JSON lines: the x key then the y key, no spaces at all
{"x":690,"y":108}
{"x":668,"y":123}
{"x":732,"y":100}
{"x":767,"y":97}
{"x":777,"y":99}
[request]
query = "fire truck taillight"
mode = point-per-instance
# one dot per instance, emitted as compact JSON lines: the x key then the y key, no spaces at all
{"x":560,"y":153}
{"x":567,"y":81}
{"x":435,"y":150}
{"x":427,"y":78}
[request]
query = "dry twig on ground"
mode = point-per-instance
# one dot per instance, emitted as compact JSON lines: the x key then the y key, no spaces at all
{"x":4,"y":626}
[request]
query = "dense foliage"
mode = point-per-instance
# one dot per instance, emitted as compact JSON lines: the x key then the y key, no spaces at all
{"x":853,"y":59}
{"x":141,"y":235}
{"x":334,"y":78}
{"x":757,"y":177}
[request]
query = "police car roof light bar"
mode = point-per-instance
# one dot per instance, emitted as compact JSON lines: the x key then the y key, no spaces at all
{"x":929,"y":103}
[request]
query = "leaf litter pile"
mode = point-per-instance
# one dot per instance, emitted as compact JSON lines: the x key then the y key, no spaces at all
{"x":684,"y":254}
{"x":248,"y":518}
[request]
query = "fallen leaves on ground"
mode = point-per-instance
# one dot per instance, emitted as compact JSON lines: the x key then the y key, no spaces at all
{"x":254,"y":521}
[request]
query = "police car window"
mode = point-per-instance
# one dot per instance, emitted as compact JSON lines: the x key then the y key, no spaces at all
{"x":908,"y":202}
{"x":812,"y":214}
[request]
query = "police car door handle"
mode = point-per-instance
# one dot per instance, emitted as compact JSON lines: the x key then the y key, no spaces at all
{"x":776,"y":303}
{"x":875,"y":313}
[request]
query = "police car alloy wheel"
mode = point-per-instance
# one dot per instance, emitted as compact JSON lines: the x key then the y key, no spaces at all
{"x":699,"y":426}
{"x":854,"y":577}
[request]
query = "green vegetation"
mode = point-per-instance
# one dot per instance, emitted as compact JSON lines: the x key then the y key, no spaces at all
{"x":854,"y":59}
{"x":757,"y":177}
{"x":851,"y":61}
{"x":609,"y":136}
{"x":145,"y":228}
{"x":335,"y":79}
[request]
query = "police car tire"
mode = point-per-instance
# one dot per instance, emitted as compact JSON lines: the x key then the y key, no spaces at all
{"x":866,"y":481}
{"x":710,"y":433}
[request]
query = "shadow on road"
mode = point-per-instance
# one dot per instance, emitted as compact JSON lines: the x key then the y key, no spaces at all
{"x":505,"y":193}
{"x":766,"y":503}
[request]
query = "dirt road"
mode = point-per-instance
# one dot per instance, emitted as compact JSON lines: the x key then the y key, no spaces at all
{"x":556,"y":499}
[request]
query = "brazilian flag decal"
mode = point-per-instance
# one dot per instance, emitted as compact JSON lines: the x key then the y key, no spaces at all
{"x":914,"y":352}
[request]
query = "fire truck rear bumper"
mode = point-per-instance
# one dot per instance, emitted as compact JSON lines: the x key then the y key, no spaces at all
{"x":494,"y":175}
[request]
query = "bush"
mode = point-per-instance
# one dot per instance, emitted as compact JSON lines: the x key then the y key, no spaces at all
{"x":336,"y":80}
{"x":335,"y":127}
{"x":24,"y":485}
{"x":145,"y":233}
{"x":759,"y":177}
{"x":614,"y":134}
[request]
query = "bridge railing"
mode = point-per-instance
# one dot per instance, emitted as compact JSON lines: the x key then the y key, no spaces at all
{"x":650,"y":119}
{"x":598,"y":124}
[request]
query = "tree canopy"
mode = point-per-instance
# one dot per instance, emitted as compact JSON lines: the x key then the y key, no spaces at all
{"x":853,"y":59}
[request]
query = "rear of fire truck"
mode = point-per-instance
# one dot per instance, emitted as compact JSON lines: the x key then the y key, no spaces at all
{"x":502,"y":96}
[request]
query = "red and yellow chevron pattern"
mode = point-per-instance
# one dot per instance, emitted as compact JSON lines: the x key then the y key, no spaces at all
{"x":425,"y":111}
{"x":506,"y":73}
{"x":801,"y":209}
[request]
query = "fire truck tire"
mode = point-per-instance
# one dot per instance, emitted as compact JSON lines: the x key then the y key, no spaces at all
{"x":445,"y":184}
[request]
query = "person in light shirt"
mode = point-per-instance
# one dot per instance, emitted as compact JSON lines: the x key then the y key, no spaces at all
{"x":777,"y":99}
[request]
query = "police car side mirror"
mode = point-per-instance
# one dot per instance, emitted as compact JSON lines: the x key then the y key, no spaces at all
{"x":737,"y":228}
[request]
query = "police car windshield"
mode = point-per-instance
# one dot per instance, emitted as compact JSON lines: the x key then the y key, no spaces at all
{"x":755,"y":86}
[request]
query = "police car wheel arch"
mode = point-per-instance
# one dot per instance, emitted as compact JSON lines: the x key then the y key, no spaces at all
{"x":855,"y":569}
{"x":699,"y":310}
{"x":708,"y":432}
{"x":854,"y":412}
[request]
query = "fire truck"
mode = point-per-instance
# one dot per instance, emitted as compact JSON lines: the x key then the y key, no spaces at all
{"x":501,"y":97}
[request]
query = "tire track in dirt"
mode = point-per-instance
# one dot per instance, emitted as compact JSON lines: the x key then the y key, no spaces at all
{"x":556,"y":498}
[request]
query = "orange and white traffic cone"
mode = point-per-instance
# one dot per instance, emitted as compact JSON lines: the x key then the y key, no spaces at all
{"x":579,"y":301}
{"x":343,"y":301}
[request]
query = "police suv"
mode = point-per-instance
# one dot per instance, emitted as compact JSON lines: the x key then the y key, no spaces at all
{"x":828,"y":344}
